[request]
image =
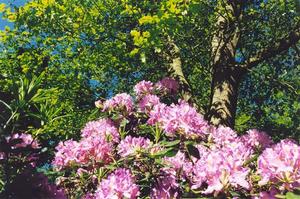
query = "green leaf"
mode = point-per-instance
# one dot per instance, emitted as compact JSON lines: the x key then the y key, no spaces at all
{"x":170,"y":143}
{"x":290,"y":195}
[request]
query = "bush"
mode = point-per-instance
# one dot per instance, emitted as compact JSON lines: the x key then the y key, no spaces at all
{"x":149,"y":146}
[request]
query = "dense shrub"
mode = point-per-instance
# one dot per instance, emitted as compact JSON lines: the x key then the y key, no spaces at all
{"x":148,"y":146}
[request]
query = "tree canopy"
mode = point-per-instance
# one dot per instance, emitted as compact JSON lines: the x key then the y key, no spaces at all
{"x":217,"y":50}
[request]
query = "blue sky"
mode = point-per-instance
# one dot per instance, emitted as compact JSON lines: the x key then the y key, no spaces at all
{"x":4,"y":23}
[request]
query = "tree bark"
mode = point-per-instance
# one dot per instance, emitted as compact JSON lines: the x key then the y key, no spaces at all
{"x":175,"y":71}
{"x":226,"y":74}
{"x":225,"y":84}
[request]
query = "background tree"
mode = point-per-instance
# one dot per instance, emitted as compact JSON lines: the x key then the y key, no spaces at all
{"x":216,"y":49}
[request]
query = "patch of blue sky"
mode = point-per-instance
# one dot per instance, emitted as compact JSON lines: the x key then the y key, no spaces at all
{"x":12,"y":4}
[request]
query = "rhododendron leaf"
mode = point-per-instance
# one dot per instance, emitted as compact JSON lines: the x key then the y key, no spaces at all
{"x":291,"y":195}
{"x":162,"y":153}
{"x":193,"y":151}
{"x":280,"y":196}
{"x":252,"y":159}
{"x":170,"y":143}
{"x":235,"y":194}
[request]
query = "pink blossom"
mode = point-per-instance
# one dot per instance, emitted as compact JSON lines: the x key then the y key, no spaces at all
{"x":2,"y":155}
{"x":179,"y":119}
{"x":133,"y":145}
{"x":120,"y":184}
{"x":26,"y":140}
{"x":180,"y":163}
{"x":120,"y":102}
{"x":99,"y":103}
{"x":65,"y":154}
{"x":268,"y":195}
{"x":167,"y":85}
{"x":148,"y":102}
{"x":166,"y":187}
{"x":157,"y":113}
{"x":257,"y":139}
{"x":103,"y":128}
{"x":221,"y":168}
{"x":89,"y":196}
{"x":222,"y":135}
{"x":280,"y":164}
{"x":143,"y":88}
{"x":87,"y":150}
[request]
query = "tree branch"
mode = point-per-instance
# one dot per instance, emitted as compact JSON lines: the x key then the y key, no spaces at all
{"x":274,"y":50}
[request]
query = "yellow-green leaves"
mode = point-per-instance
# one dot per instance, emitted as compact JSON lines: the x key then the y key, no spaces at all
{"x":148,"y":19}
{"x":129,"y":9}
{"x":134,"y":52}
{"x":139,"y":38}
{"x":2,"y":7}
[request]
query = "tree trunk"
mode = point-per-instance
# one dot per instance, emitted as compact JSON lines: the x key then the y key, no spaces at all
{"x":225,"y":71}
{"x":224,"y":95}
{"x":175,"y":70}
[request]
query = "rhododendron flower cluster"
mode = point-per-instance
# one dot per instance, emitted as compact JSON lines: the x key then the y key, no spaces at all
{"x":103,"y":128}
{"x":180,"y":163}
{"x":148,"y":102}
{"x":181,"y":119}
{"x":222,"y":135}
{"x":165,"y":86}
{"x":222,"y":167}
{"x":257,"y":139}
{"x":25,"y":140}
{"x":133,"y":145}
{"x":280,"y":164}
{"x":87,"y":150}
{"x":119,"y":184}
{"x":143,"y":88}
{"x":121,"y":101}
{"x":168,"y":85}
{"x":165,"y":149}
{"x":166,"y":186}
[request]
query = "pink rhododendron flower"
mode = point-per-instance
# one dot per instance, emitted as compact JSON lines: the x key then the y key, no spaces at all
{"x":118,"y":185}
{"x":119,"y":102}
{"x":99,"y":104}
{"x":257,"y":139}
{"x":89,"y":196}
{"x":26,"y":140}
{"x":180,"y":163}
{"x":148,"y":102}
{"x":268,"y":195}
{"x":166,"y":187}
{"x":103,"y":128}
{"x":143,"y":88}
{"x":222,"y":135}
{"x":132,"y":145}
{"x":156,"y":114}
{"x":176,"y":161}
{"x":221,"y":167}
{"x":280,"y":164}
{"x":181,"y":118}
{"x":2,"y":155}
{"x":65,"y":154}
{"x":167,"y":85}
{"x":86,"y":150}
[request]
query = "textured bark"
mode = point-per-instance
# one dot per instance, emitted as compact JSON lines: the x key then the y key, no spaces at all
{"x":225,"y":73}
{"x":225,"y":86}
{"x":175,"y":71}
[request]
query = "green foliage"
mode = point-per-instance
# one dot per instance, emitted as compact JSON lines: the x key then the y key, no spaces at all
{"x":269,"y":98}
{"x":91,"y":49}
